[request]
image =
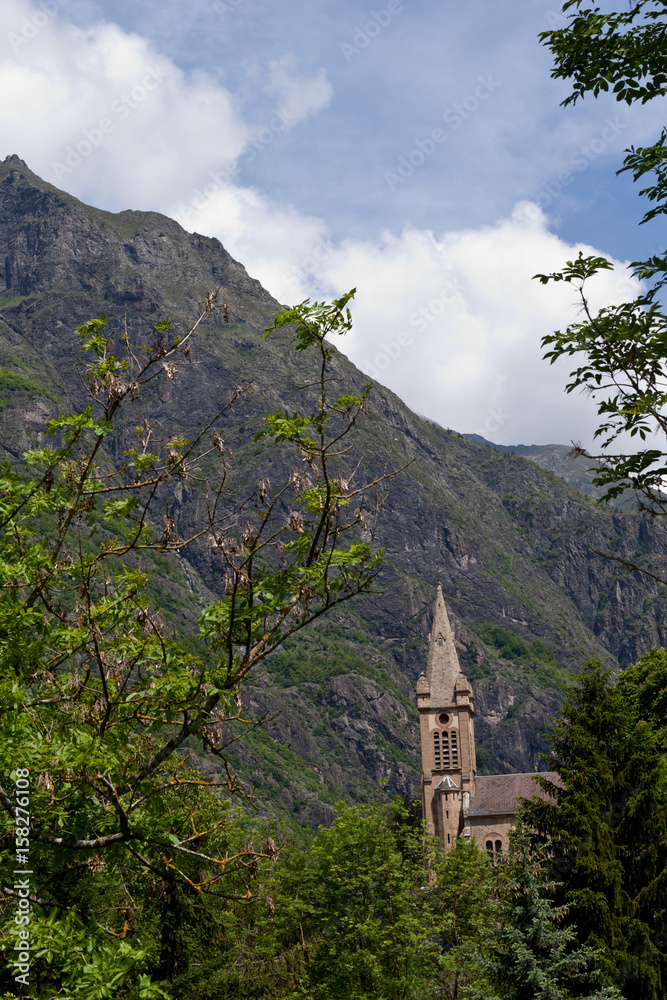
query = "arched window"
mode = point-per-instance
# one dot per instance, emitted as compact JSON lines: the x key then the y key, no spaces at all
{"x":455,"y":749}
{"x":494,"y":850}
{"x":445,"y":750}
{"x":436,"y":748}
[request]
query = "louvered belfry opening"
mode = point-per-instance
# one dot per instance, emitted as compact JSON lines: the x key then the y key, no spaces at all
{"x":445,"y":751}
{"x":436,"y":750}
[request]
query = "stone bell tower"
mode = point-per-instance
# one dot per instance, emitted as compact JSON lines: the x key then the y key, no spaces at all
{"x":446,"y":712}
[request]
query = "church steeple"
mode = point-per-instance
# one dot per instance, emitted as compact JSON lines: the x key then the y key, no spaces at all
{"x":445,"y":703}
{"x":442,"y":670}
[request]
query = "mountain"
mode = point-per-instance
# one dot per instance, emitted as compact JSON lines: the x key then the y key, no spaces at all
{"x":574,"y":469}
{"x":511,"y":542}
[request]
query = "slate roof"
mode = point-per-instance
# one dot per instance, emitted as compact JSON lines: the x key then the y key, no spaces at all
{"x":496,"y":794}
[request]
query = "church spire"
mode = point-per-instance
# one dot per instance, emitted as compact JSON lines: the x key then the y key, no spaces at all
{"x":443,"y":667}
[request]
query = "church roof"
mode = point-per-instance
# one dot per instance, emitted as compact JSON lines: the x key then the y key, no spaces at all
{"x":496,"y":794}
{"x":443,"y":670}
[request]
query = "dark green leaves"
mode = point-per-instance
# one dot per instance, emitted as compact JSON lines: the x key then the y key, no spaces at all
{"x":622,"y":349}
{"x":624,"y":368}
{"x":608,"y":825}
{"x":623,"y":49}
{"x":578,"y":270}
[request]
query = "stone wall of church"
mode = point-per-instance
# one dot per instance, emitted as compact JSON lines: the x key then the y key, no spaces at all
{"x":490,"y":830}
{"x":447,"y":816}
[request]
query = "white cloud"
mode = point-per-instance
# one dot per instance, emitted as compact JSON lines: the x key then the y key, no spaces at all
{"x":268,"y":239}
{"x":453,"y":324}
{"x":104,"y":115}
{"x":451,"y":321}
{"x":34,"y":96}
{"x":298,"y":95}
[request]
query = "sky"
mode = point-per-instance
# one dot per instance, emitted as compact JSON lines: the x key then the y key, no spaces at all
{"x":414,"y":149}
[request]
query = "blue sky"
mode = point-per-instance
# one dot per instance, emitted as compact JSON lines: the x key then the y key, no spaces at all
{"x":416,"y":149}
{"x":393,"y":89}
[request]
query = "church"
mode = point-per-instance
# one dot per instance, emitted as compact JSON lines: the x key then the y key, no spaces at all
{"x":456,"y":801}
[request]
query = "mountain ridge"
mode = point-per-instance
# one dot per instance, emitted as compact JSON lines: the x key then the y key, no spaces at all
{"x":562,"y":459}
{"x":528,"y":599}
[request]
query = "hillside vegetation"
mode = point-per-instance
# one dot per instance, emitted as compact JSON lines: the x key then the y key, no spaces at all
{"x":511,"y":542}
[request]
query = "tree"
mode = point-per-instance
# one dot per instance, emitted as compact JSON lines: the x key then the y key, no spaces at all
{"x":354,"y":901}
{"x":464,"y":906}
{"x":643,"y":688}
{"x":380,"y":911}
{"x":623,"y":50}
{"x":607,"y":821}
{"x":368,"y":908}
{"x":610,"y":815}
{"x":533,"y":956}
{"x":343,"y":913}
{"x":623,"y":348}
{"x":99,"y":700}
{"x":624,"y":370}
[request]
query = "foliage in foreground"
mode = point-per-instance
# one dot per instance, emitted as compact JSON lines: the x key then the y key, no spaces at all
{"x":369,"y":908}
{"x":125,"y":843}
{"x":535,"y":955}
{"x":609,"y":820}
{"x":608,"y":824}
{"x":621,"y":349}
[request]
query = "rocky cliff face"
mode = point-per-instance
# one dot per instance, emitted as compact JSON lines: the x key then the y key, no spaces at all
{"x":561,"y":459}
{"x":511,"y":542}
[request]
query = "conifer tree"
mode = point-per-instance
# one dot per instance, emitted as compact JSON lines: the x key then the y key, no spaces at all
{"x":535,"y":955}
{"x":609,"y":820}
{"x":463,"y":905}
